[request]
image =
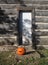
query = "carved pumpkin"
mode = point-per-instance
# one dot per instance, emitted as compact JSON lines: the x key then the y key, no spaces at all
{"x":21,"y":51}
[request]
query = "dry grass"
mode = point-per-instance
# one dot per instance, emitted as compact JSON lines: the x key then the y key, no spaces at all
{"x":30,"y":58}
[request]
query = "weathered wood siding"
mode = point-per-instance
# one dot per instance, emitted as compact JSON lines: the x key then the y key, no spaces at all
{"x":41,"y":22}
{"x":8,"y":24}
{"x":9,"y":15}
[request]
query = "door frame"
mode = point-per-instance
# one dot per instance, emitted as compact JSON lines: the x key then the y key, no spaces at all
{"x":24,"y":9}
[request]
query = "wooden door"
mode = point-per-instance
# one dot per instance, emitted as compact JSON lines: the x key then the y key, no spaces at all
{"x":26,"y":27}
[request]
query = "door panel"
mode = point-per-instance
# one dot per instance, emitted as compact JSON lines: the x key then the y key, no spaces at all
{"x":26,"y":23}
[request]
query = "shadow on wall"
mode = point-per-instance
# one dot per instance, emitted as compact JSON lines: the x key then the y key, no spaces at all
{"x":35,"y":36}
{"x":8,"y":28}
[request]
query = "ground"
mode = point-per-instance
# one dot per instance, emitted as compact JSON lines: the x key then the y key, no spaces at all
{"x":38,"y":57}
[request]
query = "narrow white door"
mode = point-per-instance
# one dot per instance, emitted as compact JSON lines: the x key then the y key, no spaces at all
{"x":26,"y":28}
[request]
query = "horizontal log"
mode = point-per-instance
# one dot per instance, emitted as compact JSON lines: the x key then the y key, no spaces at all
{"x":8,"y":40}
{"x":8,"y":48}
{"x":41,"y":29}
{"x":9,"y":6}
{"x":41,"y":40}
{"x":37,"y":5}
{"x":41,"y":13}
{"x":7,"y":25}
{"x":35,"y":0}
{"x":5,"y":31}
{"x":16,"y":6}
{"x":40,"y":2}
{"x":41,"y":25}
{"x":8,"y":18}
{"x":27,"y":8}
{"x":4,"y":26}
{"x":27,"y":1}
{"x":8,"y":33}
{"x":8,"y":28}
{"x":8,"y":11}
{"x":9,"y":1}
{"x":9,"y":37}
{"x":39,"y":10}
{"x":41,"y":18}
{"x":42,"y":37}
{"x":40,"y":33}
{"x":42,"y":46}
{"x":40,"y":6}
{"x":13,"y":6}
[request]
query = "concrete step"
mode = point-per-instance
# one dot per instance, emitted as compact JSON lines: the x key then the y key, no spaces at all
{"x":14,"y":48}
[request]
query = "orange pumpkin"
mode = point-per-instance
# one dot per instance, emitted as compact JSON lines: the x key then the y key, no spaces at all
{"x":21,"y":51}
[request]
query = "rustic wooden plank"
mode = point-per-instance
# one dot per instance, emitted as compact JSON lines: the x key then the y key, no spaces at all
{"x":41,"y":18}
{"x":35,"y":2}
{"x":38,"y":10}
{"x":26,"y":1}
{"x":10,"y":15}
{"x":4,"y":26}
{"x":29,"y":8}
{"x":41,"y":29}
{"x":14,"y":37}
{"x":8,"y":33}
{"x":9,"y":1}
{"x":42,"y":46}
{"x":8,"y":28}
{"x":9,"y":6}
{"x":8,"y":18}
{"x":40,"y":6}
{"x":39,"y":2}
{"x":41,"y":13}
{"x":8,"y":40}
{"x":41,"y":33}
{"x":41,"y":41}
{"x":13,"y":6}
{"x":8,"y":11}
{"x":41,"y":25}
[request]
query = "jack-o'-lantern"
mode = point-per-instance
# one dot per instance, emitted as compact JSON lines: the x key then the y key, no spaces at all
{"x":21,"y":51}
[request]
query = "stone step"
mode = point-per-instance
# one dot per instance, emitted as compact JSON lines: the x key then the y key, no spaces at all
{"x":14,"y":48}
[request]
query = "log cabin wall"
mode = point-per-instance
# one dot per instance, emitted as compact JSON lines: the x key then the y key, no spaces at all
{"x":8,"y":24}
{"x":9,"y":15}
